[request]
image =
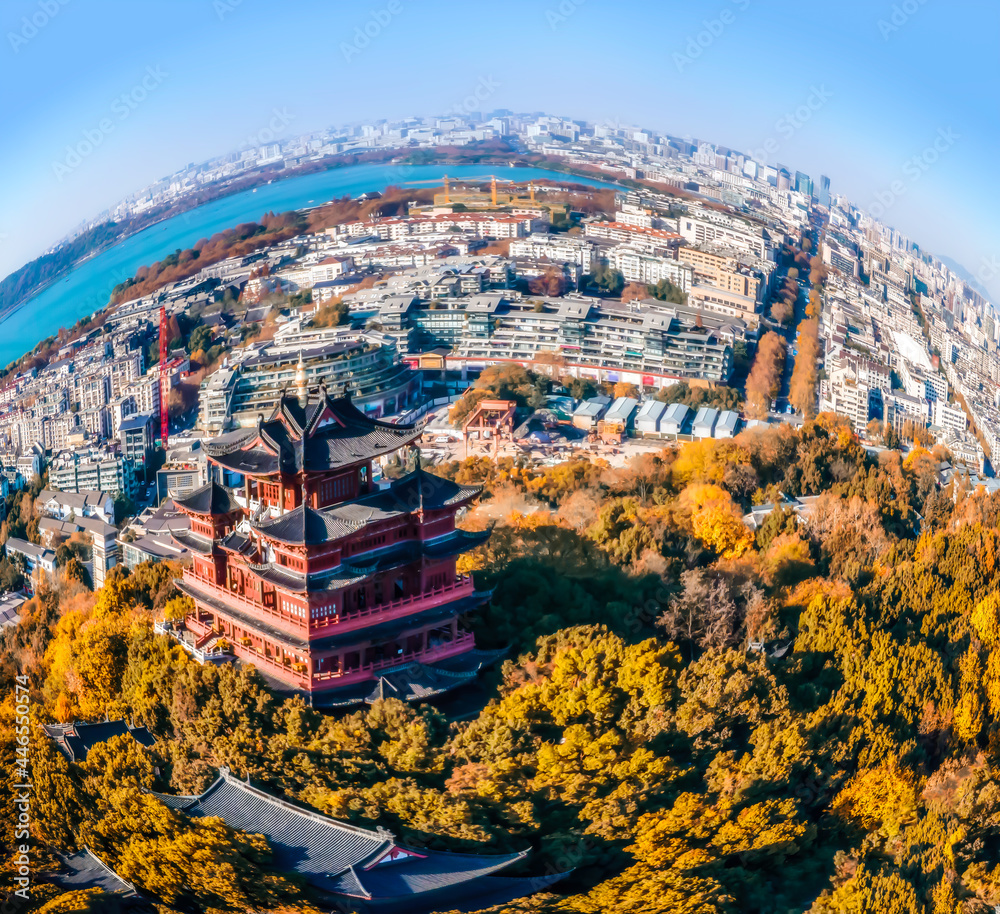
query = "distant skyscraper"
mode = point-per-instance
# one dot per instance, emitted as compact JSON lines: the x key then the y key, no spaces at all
{"x":824,"y":191}
{"x":803,"y":184}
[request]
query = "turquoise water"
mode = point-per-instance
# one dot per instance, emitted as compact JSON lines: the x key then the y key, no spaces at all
{"x":88,"y":287}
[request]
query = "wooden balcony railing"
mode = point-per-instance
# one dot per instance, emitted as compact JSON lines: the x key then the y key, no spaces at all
{"x":465,"y":641}
{"x":394,"y":609}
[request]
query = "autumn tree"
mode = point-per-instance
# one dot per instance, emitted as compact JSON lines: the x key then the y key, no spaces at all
{"x":764,"y":381}
{"x":802,"y":392}
{"x":635,"y":291}
{"x":553,"y":283}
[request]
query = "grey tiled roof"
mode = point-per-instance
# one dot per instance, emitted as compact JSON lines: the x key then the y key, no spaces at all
{"x":193,"y":541}
{"x":211,"y":498}
{"x":355,"y":569}
{"x":75,"y":740}
{"x":323,"y":435}
{"x":84,"y":870}
{"x":307,"y":526}
{"x":335,"y":857}
{"x":417,"y":491}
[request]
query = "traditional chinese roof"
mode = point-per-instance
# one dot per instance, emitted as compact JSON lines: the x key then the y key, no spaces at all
{"x":237,"y":542}
{"x":211,"y":498}
{"x":84,"y":870}
{"x":389,"y":629}
{"x":75,"y":740}
{"x":338,"y":859}
{"x":322,"y":435}
{"x":419,"y":491}
{"x":193,"y":541}
{"x":414,"y":681}
{"x":306,"y":526}
{"x":357,"y":568}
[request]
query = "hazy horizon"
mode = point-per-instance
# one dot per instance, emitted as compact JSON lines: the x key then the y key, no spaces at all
{"x":859,"y":97}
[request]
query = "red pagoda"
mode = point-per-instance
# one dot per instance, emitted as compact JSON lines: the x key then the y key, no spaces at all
{"x":329,"y":584}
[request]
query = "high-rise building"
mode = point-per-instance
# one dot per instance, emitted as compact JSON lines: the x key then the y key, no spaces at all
{"x":328,"y":583}
{"x":824,"y":191}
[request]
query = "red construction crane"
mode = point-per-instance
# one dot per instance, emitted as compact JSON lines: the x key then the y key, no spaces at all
{"x":164,"y":412}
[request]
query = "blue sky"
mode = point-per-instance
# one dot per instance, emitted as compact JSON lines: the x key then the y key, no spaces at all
{"x":854,"y":90}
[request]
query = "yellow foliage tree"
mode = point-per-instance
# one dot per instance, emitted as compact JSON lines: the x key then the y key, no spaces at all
{"x":716,"y":521}
{"x":986,"y":620}
{"x":698,"y":462}
{"x":883,"y":798}
{"x":970,"y":713}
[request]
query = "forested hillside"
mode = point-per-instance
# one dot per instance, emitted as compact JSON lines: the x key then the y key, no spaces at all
{"x":694,"y":717}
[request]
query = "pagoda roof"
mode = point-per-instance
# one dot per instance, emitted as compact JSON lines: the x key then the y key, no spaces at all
{"x":193,"y":541}
{"x":336,"y":857}
{"x":419,"y":490}
{"x":324,"y":434}
{"x":85,"y":870}
{"x":357,"y":568}
{"x":306,"y":526}
{"x":238,"y":542}
{"x":211,"y":498}
{"x":297,"y":582}
{"x":393,"y":628}
{"x":75,"y":740}
{"x":415,"y":681}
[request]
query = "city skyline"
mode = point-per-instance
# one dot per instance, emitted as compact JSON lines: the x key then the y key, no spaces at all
{"x":915,"y":166}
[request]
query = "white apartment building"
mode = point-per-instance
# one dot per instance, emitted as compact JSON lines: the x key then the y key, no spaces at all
{"x":94,"y":392}
{"x":653,"y":241}
{"x":849,"y":398}
{"x":917,"y":382}
{"x":901,"y":408}
{"x":699,"y":230}
{"x":561,"y":248}
{"x":637,"y":266}
{"x":145,"y":393}
{"x":948,"y":417}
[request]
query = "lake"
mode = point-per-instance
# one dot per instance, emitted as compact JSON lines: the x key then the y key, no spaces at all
{"x":87,"y":287}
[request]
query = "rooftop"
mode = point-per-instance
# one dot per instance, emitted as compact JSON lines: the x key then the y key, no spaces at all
{"x":75,"y":740}
{"x":319,"y":435}
{"x":339,"y":859}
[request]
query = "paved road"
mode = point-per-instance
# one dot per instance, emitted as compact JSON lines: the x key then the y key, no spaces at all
{"x":789,"y":333}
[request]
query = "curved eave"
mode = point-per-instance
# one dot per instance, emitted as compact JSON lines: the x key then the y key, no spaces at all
{"x":468,"y":493}
{"x":457,"y":543}
{"x":293,"y":583}
{"x":262,"y":465}
{"x":228,"y":443}
{"x":306,"y":526}
{"x":193,"y":542}
{"x":209,"y":500}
